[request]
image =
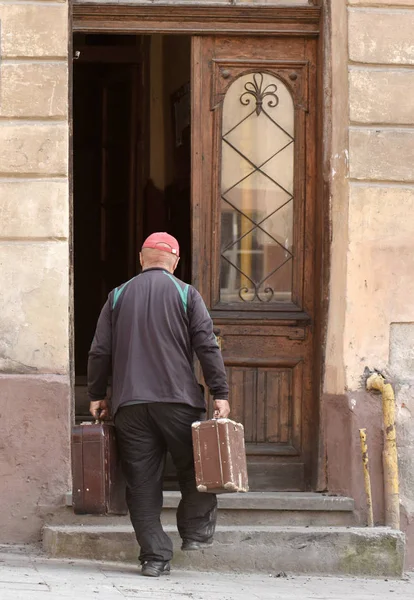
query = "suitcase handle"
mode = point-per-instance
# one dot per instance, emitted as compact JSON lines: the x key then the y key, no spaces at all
{"x":96,"y":422}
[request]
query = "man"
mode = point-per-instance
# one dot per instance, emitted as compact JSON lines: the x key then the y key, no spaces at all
{"x":149,"y":329}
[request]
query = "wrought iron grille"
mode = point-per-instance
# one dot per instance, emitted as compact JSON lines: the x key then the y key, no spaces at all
{"x":259,"y":144}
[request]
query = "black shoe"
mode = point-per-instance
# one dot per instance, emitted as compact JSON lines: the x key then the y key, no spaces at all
{"x":190,"y":545}
{"x":155,"y":568}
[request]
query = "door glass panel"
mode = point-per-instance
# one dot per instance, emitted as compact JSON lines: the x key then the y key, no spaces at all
{"x":257,"y":191}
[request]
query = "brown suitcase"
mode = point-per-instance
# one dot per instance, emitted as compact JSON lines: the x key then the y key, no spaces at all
{"x":98,"y":483}
{"x":220,"y":456}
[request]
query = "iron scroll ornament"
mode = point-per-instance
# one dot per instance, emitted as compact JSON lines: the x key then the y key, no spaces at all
{"x":255,"y":88}
{"x":255,"y":292}
{"x":245,"y":290}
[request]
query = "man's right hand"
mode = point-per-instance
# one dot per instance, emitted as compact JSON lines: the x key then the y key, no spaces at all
{"x":221,"y":409}
{"x":99,"y":409}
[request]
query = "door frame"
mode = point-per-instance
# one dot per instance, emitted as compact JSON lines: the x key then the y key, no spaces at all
{"x":194,"y":19}
{"x":310,"y":21}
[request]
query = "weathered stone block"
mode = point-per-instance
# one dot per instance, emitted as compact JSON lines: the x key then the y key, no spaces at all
{"x":382,"y":2}
{"x":405,"y":396}
{"x":34,"y":301}
{"x":34,"y":90}
{"x":381,"y":154}
{"x":404,"y":392}
{"x":379,"y":274}
{"x":34,"y":452}
{"x":34,"y":30}
{"x":34,"y":149}
{"x":381,"y":96}
{"x":273,"y":2}
{"x":190,"y":2}
{"x":381,"y":36}
{"x":372,"y":208}
{"x":402,"y":350}
{"x":35,"y":209}
{"x":406,"y":470}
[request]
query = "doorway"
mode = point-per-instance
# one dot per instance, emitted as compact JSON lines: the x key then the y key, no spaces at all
{"x":254,"y":205}
{"x":131,"y":167}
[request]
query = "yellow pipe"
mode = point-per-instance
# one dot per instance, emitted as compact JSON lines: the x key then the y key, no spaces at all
{"x":367,"y":478}
{"x":390,"y":456}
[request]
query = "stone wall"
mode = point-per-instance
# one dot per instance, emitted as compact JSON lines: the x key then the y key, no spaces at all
{"x":374,"y":324}
{"x":35,"y":411}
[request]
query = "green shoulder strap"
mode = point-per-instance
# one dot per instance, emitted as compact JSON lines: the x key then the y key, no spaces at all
{"x":118,"y":291}
{"x":183,"y":292}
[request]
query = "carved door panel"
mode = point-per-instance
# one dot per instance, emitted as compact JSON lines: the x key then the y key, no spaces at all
{"x":254,"y":239}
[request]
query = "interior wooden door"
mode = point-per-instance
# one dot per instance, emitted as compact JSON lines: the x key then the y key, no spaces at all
{"x":253,"y":194}
{"x":105,"y":195}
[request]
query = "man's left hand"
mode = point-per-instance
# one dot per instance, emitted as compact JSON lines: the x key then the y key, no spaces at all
{"x":99,"y":409}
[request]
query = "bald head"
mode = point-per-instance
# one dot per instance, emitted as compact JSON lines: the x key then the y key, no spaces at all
{"x":155,"y":258}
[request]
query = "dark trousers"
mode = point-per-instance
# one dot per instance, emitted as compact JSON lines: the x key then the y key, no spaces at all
{"x":144,"y":433}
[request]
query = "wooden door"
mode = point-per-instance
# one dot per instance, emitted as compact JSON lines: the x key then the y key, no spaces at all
{"x":253,"y":194}
{"x":118,"y":247}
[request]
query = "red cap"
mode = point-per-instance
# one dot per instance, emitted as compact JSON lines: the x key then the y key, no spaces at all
{"x":157,"y":241}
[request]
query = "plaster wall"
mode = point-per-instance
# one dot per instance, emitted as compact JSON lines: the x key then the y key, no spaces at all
{"x":371,"y":315}
{"x":35,"y":400}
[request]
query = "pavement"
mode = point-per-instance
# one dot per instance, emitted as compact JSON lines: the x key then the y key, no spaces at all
{"x":26,"y":574}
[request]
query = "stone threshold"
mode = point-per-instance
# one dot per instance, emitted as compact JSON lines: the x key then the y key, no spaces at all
{"x":273,"y":501}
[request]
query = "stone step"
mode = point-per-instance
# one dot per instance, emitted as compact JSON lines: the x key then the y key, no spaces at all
{"x":377,"y":552}
{"x":260,"y":508}
{"x":274,"y":508}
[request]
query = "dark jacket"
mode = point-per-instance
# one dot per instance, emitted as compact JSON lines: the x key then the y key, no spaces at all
{"x":149,"y":329}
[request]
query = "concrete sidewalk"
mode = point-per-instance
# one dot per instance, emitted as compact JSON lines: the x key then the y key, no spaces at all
{"x":26,"y":574}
